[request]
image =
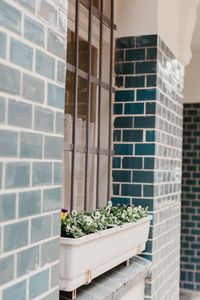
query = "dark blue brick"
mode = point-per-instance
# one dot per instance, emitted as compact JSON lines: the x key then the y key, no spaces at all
{"x":146,"y":40}
{"x":133,"y":190}
{"x":150,"y":108}
{"x":134,"y":81}
{"x":152,"y":53}
{"x":135,"y":54}
{"x":146,"y":67}
{"x":116,"y":162}
{"x":121,"y":201}
{"x":144,"y":122}
{"x":188,"y":286}
{"x":121,"y":176}
{"x":119,"y":81}
{"x":149,"y":163}
{"x":117,"y":108}
{"x":132,"y":135}
{"x":134,"y":108}
{"x":119,"y":55}
{"x":150,"y":136}
{"x":146,"y":94}
{"x":117,"y":135}
{"x":143,"y":176}
{"x":132,"y":163}
{"x":124,"y":68}
{"x":148,"y":191}
{"x":145,"y":149}
{"x":197,"y":277}
{"x":123,"y":122}
{"x":125,"y":42}
{"x":123,"y":149}
{"x":125,"y":95}
{"x":151,"y":80}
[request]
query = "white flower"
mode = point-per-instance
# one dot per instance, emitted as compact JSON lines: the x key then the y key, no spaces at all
{"x":123,"y":216}
{"x":68,"y":227}
{"x":110,"y":203}
{"x":88,"y":220}
{"x":108,"y":209}
{"x":103,"y":218}
{"x":97,"y":214}
{"x":74,"y":213}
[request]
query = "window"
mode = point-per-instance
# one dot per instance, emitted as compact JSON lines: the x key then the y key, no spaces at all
{"x":88,"y":104}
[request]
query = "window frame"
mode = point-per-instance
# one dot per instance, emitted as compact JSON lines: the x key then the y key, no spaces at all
{"x":87,"y":149}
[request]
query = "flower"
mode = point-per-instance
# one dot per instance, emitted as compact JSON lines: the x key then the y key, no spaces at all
{"x":97,"y":215}
{"x":103,"y":218}
{"x":110,"y":203}
{"x":68,"y":227}
{"x":123,"y":215}
{"x":74,"y":213}
{"x":63,"y":215}
{"x":80,"y":223}
{"x":88,"y":220}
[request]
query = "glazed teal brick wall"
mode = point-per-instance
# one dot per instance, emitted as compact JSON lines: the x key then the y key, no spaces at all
{"x":32,"y":92}
{"x":190,"y":221}
{"x":148,"y":150}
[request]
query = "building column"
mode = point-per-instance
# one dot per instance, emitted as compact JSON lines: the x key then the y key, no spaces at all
{"x":148,"y":150}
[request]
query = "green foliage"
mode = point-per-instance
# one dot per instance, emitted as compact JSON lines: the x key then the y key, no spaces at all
{"x":78,"y":224}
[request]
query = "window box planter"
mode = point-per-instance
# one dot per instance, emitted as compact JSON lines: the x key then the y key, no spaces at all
{"x":87,"y":257}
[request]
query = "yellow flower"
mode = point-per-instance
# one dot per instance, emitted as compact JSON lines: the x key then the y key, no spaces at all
{"x":63,"y":215}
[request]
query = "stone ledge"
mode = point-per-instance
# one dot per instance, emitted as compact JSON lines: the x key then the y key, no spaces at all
{"x":115,"y":283}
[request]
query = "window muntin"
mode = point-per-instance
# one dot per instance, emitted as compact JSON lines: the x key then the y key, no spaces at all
{"x":88,"y":108}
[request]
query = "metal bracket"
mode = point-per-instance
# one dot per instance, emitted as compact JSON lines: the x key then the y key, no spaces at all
{"x":89,"y":277}
{"x":128,"y":262}
{"x":139,"y":249}
{"x":74,"y":294}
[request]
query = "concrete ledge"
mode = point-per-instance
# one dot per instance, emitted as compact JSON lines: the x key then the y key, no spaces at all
{"x":189,"y":295}
{"x":115,"y":283}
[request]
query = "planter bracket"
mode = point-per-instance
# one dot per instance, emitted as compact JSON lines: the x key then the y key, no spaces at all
{"x":128,"y":262}
{"x":139,"y":249}
{"x":74,"y":294}
{"x":89,"y":277}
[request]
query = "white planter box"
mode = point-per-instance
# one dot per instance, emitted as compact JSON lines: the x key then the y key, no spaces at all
{"x":87,"y":257}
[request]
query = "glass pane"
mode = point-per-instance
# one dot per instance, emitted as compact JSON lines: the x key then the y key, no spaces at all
{"x":104,"y":119}
{"x":82,"y":111}
{"x":70,"y":47}
{"x":107,"y":8}
{"x":95,"y":46}
{"x":91,"y":182}
{"x":93,"y":116}
{"x":83,"y":39}
{"x":83,"y":55}
{"x":69,"y":107}
{"x":67,"y":179}
{"x":96,"y":3}
{"x":79,"y":181}
{"x":103,"y":180}
{"x":106,"y":55}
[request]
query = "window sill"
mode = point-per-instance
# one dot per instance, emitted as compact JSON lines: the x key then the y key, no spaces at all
{"x":115,"y":283}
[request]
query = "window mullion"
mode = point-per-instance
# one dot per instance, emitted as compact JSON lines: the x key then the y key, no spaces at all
{"x":110,"y":100}
{"x":88,"y":106}
{"x":99,"y":104}
{"x":73,"y":204}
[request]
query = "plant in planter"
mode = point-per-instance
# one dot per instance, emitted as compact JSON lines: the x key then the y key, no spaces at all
{"x":93,"y":242}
